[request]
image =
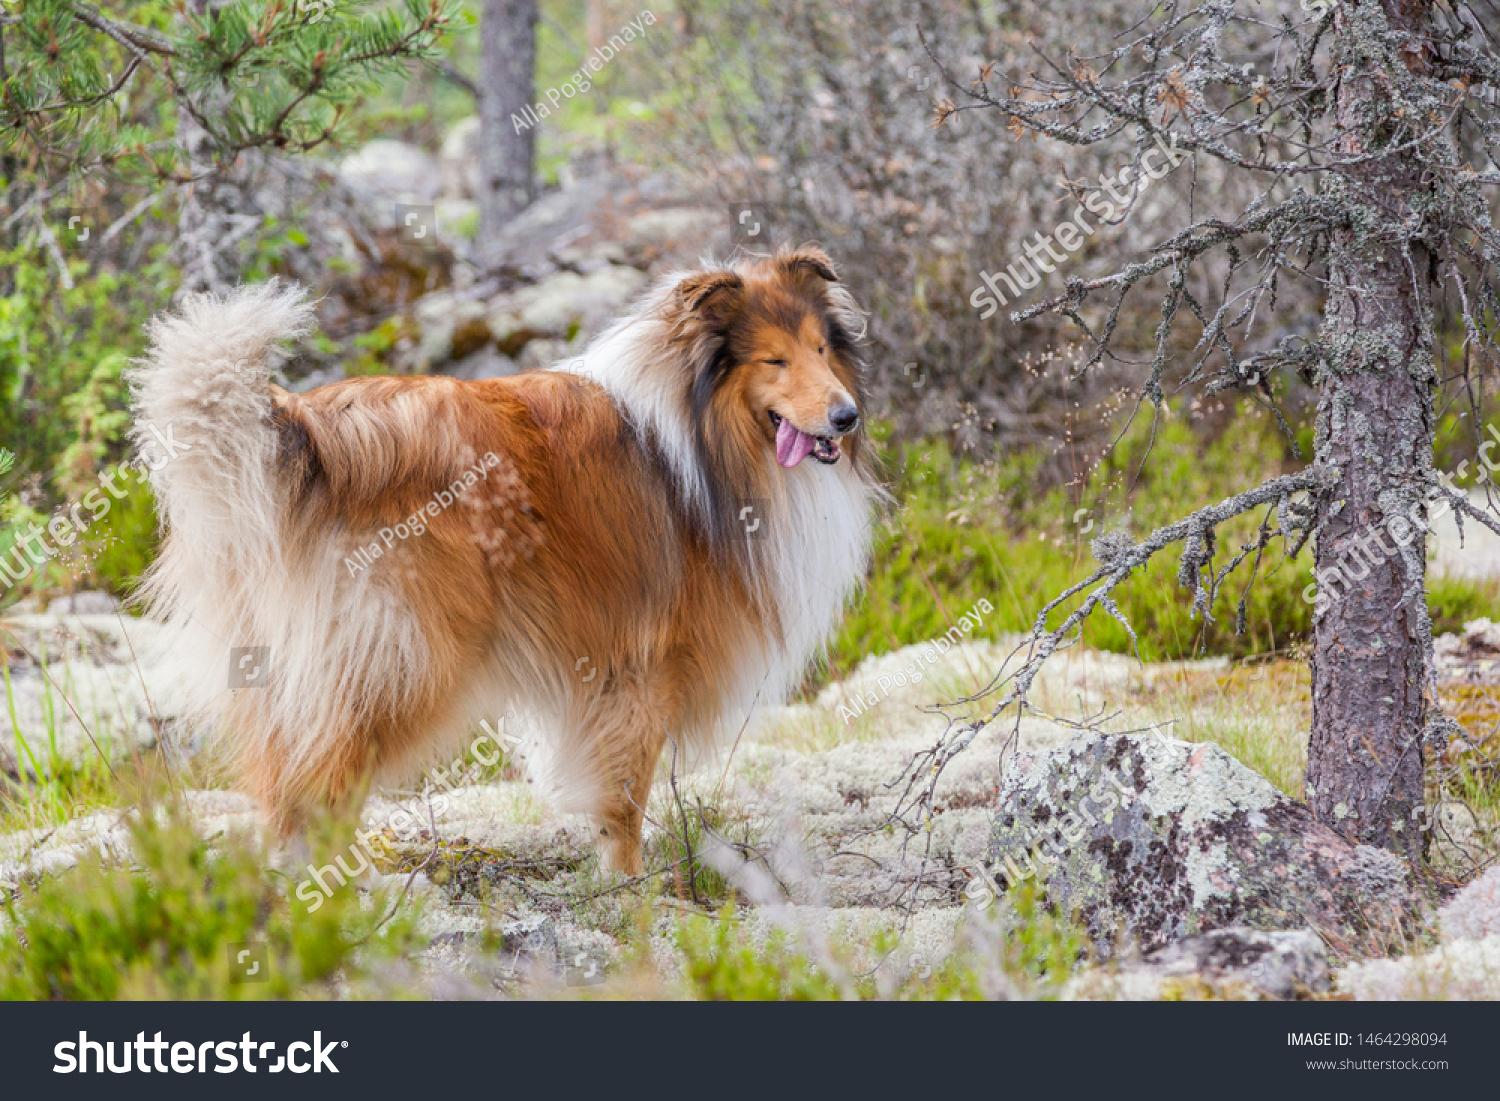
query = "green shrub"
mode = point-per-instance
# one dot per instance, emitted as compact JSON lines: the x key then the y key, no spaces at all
{"x":724,"y":965}
{"x":63,"y":351}
{"x":172,"y":926}
{"x":62,"y":354}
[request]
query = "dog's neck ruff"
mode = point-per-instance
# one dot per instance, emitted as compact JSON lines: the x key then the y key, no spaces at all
{"x":647,"y":374}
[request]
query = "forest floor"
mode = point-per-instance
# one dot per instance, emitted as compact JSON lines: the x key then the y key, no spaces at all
{"x":794,"y":829}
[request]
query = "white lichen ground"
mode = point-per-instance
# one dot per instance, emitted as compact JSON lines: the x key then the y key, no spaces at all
{"x":811,"y":792}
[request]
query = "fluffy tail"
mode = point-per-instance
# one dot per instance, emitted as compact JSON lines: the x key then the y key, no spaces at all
{"x":204,"y":416}
{"x":297,"y":663}
{"x":206,"y":427}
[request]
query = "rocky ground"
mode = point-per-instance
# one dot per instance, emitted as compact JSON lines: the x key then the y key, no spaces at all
{"x":802,"y":822}
{"x":424,"y":297}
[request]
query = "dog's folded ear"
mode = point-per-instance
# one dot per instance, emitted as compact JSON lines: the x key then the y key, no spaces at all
{"x":711,"y":295}
{"x":807,"y":260}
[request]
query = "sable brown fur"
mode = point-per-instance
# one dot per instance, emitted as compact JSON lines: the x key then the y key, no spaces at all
{"x":610,"y":534}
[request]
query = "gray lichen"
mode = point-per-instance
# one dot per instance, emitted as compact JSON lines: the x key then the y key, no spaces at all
{"x":1146,"y":840}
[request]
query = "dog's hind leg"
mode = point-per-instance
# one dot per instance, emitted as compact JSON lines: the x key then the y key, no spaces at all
{"x":299,"y":800}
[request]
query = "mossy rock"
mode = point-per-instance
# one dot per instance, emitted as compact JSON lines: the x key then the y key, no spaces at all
{"x":1146,"y":840}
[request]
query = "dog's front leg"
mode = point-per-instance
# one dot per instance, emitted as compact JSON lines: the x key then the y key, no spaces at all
{"x":628,"y":740}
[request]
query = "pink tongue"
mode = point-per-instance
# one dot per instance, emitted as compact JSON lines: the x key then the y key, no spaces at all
{"x":792,"y":444}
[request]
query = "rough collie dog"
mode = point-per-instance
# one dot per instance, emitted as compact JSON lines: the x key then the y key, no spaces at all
{"x":626,"y":548}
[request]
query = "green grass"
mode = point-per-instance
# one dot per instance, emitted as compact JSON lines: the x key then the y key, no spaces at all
{"x":1258,"y":712}
{"x":682,"y":845}
{"x":966,"y":530}
{"x":48,"y":786}
{"x":1020,"y":948}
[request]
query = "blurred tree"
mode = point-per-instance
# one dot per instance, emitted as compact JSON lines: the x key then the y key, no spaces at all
{"x":156,"y":94}
{"x":1374,"y":129}
{"x":507,"y":82}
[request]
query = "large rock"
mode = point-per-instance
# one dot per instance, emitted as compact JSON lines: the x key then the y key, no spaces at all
{"x":392,"y":170}
{"x":452,"y":327}
{"x":565,"y":300}
{"x":561,"y":306}
{"x":1227,"y":963}
{"x":458,"y":160}
{"x":1147,"y":840}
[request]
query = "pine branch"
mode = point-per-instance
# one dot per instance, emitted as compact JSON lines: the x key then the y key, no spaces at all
{"x":309,"y":68}
{"x":138,"y":40}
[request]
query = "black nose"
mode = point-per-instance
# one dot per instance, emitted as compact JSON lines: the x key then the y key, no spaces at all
{"x":844,"y":418}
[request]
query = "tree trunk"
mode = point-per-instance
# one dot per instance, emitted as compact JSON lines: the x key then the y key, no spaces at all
{"x":593,"y":24}
{"x":1372,"y":637}
{"x":507,"y":84}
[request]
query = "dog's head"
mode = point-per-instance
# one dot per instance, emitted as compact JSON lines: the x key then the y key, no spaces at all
{"x":779,"y":365}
